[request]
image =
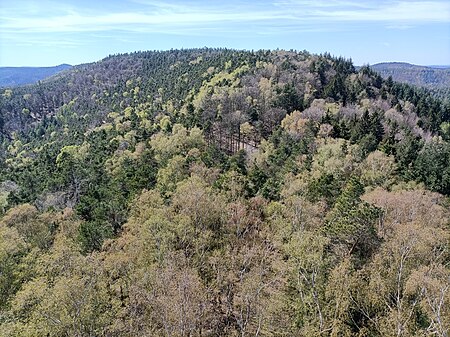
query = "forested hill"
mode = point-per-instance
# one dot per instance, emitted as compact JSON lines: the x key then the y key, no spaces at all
{"x":15,"y":76}
{"x":215,"y":192}
{"x":428,"y":77}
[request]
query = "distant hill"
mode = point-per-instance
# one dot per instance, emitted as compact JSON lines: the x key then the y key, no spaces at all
{"x":440,"y":66}
{"x":432,"y":77}
{"x":14,"y":76}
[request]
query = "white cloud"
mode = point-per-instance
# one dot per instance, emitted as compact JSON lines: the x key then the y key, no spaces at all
{"x":402,"y":11}
{"x":321,"y":3}
{"x":400,"y":27}
{"x":265,"y":18}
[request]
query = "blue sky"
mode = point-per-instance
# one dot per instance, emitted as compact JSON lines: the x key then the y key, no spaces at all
{"x":45,"y":33}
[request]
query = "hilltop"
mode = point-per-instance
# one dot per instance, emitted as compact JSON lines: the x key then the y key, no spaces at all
{"x":15,"y":76}
{"x":217,"y":192}
{"x":432,"y":77}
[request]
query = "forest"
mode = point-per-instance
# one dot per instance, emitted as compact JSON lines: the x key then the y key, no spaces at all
{"x":434,"y":78}
{"x":218,"y":192}
{"x":15,"y":76}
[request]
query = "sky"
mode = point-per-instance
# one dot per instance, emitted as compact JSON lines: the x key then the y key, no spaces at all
{"x":47,"y":33}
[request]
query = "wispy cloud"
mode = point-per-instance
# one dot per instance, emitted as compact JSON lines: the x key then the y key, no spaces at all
{"x":400,"y":27}
{"x":321,"y":3}
{"x":403,"y":11}
{"x":42,"y":41}
{"x":78,"y":22}
{"x":178,"y":17}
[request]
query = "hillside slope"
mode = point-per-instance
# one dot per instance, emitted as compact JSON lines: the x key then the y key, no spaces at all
{"x":428,"y":77}
{"x":215,"y":192}
{"x":15,"y":76}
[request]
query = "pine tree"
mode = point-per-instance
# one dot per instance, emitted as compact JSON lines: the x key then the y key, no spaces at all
{"x":350,"y":223}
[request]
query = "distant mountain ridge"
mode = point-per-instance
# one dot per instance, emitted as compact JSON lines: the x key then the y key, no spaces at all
{"x":15,"y":76}
{"x":439,"y":66}
{"x":432,"y":77}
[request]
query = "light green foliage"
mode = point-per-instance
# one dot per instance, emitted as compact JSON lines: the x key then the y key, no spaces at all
{"x":165,"y":123}
{"x":7,"y":93}
{"x":378,"y":169}
{"x":233,"y":185}
{"x":169,"y":176}
{"x":70,"y":162}
{"x":295,"y":124}
{"x":120,"y":157}
{"x":12,"y":246}
{"x":3,"y":202}
{"x":265,"y":151}
{"x":308,"y":263}
{"x":180,"y":141}
{"x":445,"y":129}
{"x":71,"y":152}
{"x":229,"y":80}
{"x":334,"y":156}
{"x":195,"y":199}
{"x":33,"y":227}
